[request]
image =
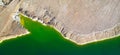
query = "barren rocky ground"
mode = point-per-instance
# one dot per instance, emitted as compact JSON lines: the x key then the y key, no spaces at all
{"x":81,"y":21}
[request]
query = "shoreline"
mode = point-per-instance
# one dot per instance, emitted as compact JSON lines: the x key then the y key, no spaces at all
{"x":84,"y":43}
{"x":77,"y":38}
{"x":12,"y":36}
{"x":67,"y":38}
{"x":9,"y":13}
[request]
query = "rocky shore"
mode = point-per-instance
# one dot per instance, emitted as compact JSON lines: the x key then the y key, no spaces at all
{"x":81,"y":21}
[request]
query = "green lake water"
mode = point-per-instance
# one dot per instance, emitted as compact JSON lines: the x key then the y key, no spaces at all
{"x":45,"y":40}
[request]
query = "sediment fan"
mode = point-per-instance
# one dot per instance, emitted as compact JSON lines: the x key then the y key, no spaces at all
{"x":82,"y":21}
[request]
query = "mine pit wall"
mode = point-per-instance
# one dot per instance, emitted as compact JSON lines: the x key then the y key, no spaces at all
{"x":50,"y":14}
{"x":76,"y":37}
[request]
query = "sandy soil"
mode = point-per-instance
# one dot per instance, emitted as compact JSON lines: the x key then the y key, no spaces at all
{"x":81,"y":21}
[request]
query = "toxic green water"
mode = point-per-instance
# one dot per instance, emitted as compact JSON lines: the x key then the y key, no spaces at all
{"x":44,"y":40}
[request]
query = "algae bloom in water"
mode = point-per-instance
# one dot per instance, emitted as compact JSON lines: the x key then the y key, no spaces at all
{"x":45,"y":40}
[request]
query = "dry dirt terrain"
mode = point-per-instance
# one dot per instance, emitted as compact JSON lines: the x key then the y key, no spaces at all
{"x":9,"y":28}
{"x":82,"y":21}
